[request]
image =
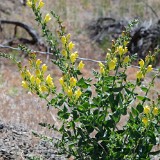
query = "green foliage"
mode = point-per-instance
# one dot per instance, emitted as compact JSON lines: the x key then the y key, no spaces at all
{"x":90,"y":111}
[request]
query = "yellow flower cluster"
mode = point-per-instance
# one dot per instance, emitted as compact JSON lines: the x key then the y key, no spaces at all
{"x":141,"y":73}
{"x":30,"y":3}
{"x":147,"y":111}
{"x":67,"y":50}
{"x":36,"y":82}
{"x":70,"y":88}
{"x":121,"y":50}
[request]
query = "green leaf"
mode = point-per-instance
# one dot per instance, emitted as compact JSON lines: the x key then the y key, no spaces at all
{"x":118,"y":89}
{"x":134,"y":111}
{"x":144,"y":89}
{"x":83,"y":83}
{"x":140,"y":108}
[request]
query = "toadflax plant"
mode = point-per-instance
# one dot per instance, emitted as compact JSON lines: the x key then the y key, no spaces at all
{"x":91,"y":111}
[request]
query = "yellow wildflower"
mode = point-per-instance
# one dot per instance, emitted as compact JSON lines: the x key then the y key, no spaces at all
{"x":24,"y":84}
{"x":141,"y":63}
{"x":44,"y":88}
{"x":69,"y":92}
{"x":63,"y":40}
{"x":68,"y":36}
{"x":47,"y":18}
{"x":64,"y":53}
{"x":61,"y":81}
{"x":139,"y":75}
{"x":73,"y":57}
{"x":120,"y":50}
{"x":146,"y":109}
{"x":38,"y":72}
{"x":29,"y":3}
{"x":149,"y":68}
{"x":38,"y":62}
{"x":41,"y":4}
{"x":71,"y":45}
{"x":81,"y":65}
{"x":108,"y":55}
{"x":78,"y":93}
{"x":44,"y":67}
{"x":28,"y":74}
{"x":126,"y":59}
{"x":38,"y":81}
{"x":112,"y":65}
{"x":49,"y":80}
{"x":32,"y":79}
{"x":145,"y":121}
{"x":73,"y":81}
{"x":101,"y":64}
{"x":23,"y":75}
{"x":155,"y":110}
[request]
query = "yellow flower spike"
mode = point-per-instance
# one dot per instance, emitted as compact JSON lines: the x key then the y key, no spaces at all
{"x":71,"y":45}
{"x":73,"y":82}
{"x":145,"y":121}
{"x":38,"y":81}
{"x":41,"y":4}
{"x":112,"y":65}
{"x":47,"y":18}
{"x":146,"y":109}
{"x":78,"y":93}
{"x":64,"y":53}
{"x":141,"y":63}
{"x":24,"y":84}
{"x":38,"y":62}
{"x":81,"y":65}
{"x":29,"y":3}
{"x":32,"y":79}
{"x":73,"y":57}
{"x":61,"y":81}
{"x":63,"y":40}
{"x":149,"y":68}
{"x":155,"y":111}
{"x":139,"y":75}
{"x":69,"y":92}
{"x":44,"y":68}
{"x":126,"y":59}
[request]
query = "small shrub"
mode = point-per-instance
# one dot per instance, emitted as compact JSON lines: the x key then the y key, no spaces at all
{"x":90,"y":113}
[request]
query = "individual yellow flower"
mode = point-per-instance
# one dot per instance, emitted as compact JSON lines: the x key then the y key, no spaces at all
{"x":112,"y":65}
{"x":63,"y":40}
{"x":44,"y":68}
{"x":44,"y":88}
{"x":73,"y":57}
{"x":47,"y":18}
{"x":145,"y":121}
{"x":38,"y":62}
{"x":32,"y":79}
{"x":78,"y":93}
{"x":35,"y":1}
{"x":81,"y":65}
{"x":139,"y":75}
{"x":149,"y":68}
{"x":29,"y":3}
{"x":146,"y":109}
{"x":73,"y":82}
{"x":108,"y":55}
{"x":126,"y":59}
{"x":69,"y":92}
{"x":41,"y":4}
{"x":120,"y":50}
{"x":101,"y":64}
{"x":38,"y":72}
{"x":38,"y":81}
{"x":24,"y":84}
{"x":71,"y":45}
{"x":49,"y":80}
{"x":64,"y":53}
{"x":61,"y":81}
{"x":28,"y":74}
{"x":141,"y":63}
{"x":155,"y":111}
{"x":68,"y":36}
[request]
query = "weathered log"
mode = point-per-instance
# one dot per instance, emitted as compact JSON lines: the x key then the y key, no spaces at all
{"x":33,"y":34}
